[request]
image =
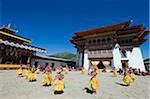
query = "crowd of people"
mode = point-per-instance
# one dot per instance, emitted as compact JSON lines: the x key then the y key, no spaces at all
{"x":136,"y":71}
{"x":30,"y":73}
{"x":128,"y":76}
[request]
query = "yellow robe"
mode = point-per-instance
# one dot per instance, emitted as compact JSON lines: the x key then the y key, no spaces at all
{"x":26,"y":73}
{"x":114,"y":73}
{"x":59,"y":85}
{"x":132,"y":75}
{"x":32,"y":76}
{"x":47,"y":79}
{"x":97,"y":71}
{"x":19,"y":72}
{"x":127,"y":79}
{"x":38,"y":71}
{"x":94,"y":83}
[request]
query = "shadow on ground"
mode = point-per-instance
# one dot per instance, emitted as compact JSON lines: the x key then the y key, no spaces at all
{"x":121,"y":84}
{"x":88,"y":90}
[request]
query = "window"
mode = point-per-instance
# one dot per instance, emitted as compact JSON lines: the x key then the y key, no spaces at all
{"x":134,"y":37}
{"x":122,"y":41}
{"x":126,"y":41}
{"x":98,"y":40}
{"x":94,"y":41}
{"x":89,"y":41}
{"x":130,"y":40}
{"x":108,"y":39}
{"x":124,"y":54}
{"x":103,"y":40}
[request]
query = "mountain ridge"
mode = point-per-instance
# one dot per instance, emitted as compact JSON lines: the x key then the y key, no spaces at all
{"x":65,"y":55}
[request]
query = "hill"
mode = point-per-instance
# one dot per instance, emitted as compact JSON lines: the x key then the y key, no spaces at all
{"x":65,"y":55}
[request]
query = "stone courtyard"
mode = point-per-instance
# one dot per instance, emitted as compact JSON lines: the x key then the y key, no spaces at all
{"x":12,"y":87}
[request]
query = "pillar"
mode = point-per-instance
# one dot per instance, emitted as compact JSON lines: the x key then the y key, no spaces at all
{"x":137,"y":59}
{"x":86,"y":63}
{"x":0,"y":60}
{"x":117,"y":57}
{"x":77,"y":60}
{"x":29,"y":60}
{"x":80,"y":59}
{"x":128,"y":52}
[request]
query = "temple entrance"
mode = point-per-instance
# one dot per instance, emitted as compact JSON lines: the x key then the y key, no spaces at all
{"x":124,"y":63}
{"x":24,"y":59}
{"x":103,"y":63}
{"x":100,"y":65}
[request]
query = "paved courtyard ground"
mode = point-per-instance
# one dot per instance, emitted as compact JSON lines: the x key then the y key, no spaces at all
{"x":12,"y":87}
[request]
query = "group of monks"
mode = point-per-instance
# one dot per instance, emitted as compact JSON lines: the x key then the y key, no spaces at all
{"x":128,"y":76}
{"x":31,"y":75}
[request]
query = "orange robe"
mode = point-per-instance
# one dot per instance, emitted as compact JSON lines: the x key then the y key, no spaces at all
{"x":47,"y":79}
{"x":94,"y":83}
{"x":59,"y":85}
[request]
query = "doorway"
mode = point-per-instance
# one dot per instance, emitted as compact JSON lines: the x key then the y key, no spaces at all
{"x":52,"y":65}
{"x":36,"y":64}
{"x":100,"y":65}
{"x":124,"y":63}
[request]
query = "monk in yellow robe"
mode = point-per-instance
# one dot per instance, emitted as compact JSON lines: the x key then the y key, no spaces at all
{"x":127,"y":78}
{"x":114,"y":72}
{"x":38,"y":70}
{"x":59,"y":84}
{"x":132,"y":75}
{"x":26,"y":73}
{"x":97,"y":70}
{"x":94,"y":83}
{"x":19,"y":72}
{"x":47,"y":79}
{"x":32,"y":75}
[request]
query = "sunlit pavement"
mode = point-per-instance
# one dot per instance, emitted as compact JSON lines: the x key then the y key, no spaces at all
{"x":12,"y":87}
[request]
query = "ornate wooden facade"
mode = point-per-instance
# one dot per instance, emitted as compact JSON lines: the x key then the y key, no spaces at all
{"x":14,"y":49}
{"x":99,"y":43}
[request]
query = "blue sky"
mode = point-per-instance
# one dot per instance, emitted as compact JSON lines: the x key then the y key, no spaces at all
{"x":51,"y":23}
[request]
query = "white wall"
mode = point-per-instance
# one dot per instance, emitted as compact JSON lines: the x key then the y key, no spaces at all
{"x":43,"y":62}
{"x":129,"y":58}
{"x":117,"y":57}
{"x":137,"y":59}
{"x":86,"y":60}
